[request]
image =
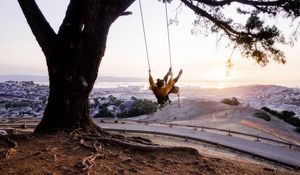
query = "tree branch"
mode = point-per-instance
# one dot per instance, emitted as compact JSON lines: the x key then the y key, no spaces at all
{"x":40,"y":27}
{"x":223,"y":25}
{"x":254,"y":39}
{"x":72,"y":24}
{"x":97,"y":18}
{"x":289,"y":6}
{"x":247,"y":2}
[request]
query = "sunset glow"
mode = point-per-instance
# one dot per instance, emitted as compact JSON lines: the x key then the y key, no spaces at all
{"x":200,"y":57}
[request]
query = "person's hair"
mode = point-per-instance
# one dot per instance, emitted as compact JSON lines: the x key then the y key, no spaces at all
{"x":160,"y":83}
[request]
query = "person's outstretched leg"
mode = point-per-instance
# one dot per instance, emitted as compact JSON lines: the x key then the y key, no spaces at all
{"x":167,"y":75}
{"x":178,"y":76}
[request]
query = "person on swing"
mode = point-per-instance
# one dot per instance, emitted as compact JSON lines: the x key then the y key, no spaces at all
{"x":163,"y":87}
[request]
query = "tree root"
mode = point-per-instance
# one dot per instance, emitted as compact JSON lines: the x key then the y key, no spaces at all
{"x":88,"y":162}
{"x":143,"y":147}
{"x":136,"y":143}
{"x":51,"y":150}
{"x":7,"y":153}
{"x":142,"y":141}
{"x":96,"y":146}
{"x":94,"y":142}
{"x":79,"y":132}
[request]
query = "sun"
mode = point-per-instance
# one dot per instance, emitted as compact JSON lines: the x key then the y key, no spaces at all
{"x":217,"y":73}
{"x":218,"y":76}
{"x":221,"y":85}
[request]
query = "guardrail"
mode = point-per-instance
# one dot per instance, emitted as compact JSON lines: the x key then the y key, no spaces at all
{"x":229,"y":132}
{"x":202,"y":128}
{"x":186,"y":138}
{"x":22,"y":126}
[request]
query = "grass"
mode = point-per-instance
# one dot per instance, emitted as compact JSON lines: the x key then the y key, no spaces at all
{"x":263,"y":116}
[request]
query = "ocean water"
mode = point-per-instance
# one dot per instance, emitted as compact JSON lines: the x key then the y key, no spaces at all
{"x":202,"y":84}
{"x":145,"y":85}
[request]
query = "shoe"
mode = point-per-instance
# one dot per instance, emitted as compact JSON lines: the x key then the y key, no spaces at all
{"x":180,"y":72}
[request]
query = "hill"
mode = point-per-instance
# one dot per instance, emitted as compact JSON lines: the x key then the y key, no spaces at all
{"x":215,"y":114}
{"x":36,"y":78}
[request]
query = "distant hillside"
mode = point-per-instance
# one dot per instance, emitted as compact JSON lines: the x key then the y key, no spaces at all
{"x":120,"y":79}
{"x":36,"y":78}
{"x":272,"y":96}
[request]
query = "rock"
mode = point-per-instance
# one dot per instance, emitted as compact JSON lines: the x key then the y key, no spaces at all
{"x":127,"y":160}
{"x":140,"y":161}
{"x":268,"y":169}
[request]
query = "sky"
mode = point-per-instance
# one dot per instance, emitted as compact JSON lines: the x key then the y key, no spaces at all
{"x":200,"y":57}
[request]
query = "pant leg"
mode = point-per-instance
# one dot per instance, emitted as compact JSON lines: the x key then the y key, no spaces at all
{"x":174,"y":90}
{"x":178,"y":76}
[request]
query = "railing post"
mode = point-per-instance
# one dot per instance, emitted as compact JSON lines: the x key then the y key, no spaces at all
{"x":257,"y":138}
{"x":229,"y":132}
{"x":24,"y":126}
{"x":185,"y":138}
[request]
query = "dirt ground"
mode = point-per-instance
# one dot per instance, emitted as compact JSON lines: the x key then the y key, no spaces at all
{"x":62,"y":154}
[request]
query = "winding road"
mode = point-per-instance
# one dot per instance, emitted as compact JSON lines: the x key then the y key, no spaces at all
{"x":275,"y":153}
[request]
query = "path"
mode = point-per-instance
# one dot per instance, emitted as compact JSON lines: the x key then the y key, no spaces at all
{"x":278,"y":154}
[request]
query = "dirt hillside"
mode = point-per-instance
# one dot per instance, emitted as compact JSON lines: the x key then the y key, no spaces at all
{"x":240,"y":118}
{"x":62,"y":154}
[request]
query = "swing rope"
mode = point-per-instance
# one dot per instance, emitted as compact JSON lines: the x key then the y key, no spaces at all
{"x":169,"y":44}
{"x":168,"y":33}
{"x":145,"y":38}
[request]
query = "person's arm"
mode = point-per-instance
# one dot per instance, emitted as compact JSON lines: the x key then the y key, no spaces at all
{"x":151,"y":81}
{"x":167,"y":75}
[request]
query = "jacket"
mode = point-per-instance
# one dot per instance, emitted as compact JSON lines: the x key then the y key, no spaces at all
{"x":163,"y":91}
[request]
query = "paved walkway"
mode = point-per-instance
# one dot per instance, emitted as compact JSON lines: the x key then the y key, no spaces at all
{"x":279,"y":154}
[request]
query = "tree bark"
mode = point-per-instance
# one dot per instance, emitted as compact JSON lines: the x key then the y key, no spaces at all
{"x":73,"y":57}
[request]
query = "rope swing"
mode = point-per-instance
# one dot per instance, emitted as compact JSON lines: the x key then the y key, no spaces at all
{"x":145,"y":38}
{"x":169,"y":47}
{"x":168,"y":33}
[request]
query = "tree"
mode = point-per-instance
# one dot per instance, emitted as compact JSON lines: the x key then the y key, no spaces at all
{"x":73,"y":56}
{"x":74,"y":53}
{"x":139,"y":107}
{"x":232,"y":101}
{"x":104,"y":112}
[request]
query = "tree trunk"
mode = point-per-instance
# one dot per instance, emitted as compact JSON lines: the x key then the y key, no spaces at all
{"x":72,"y":76}
{"x":68,"y":106}
{"x":73,"y":56}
